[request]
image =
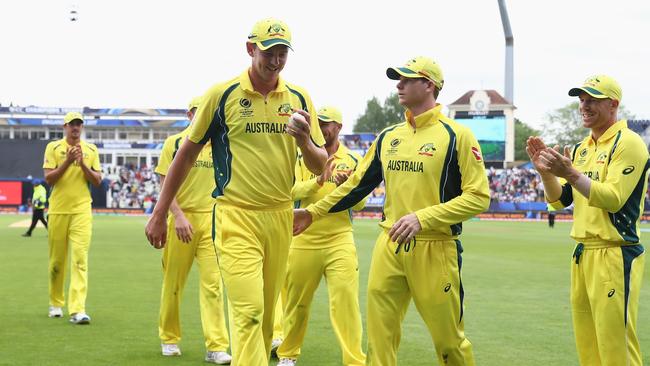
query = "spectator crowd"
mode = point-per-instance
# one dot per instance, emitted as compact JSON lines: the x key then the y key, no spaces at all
{"x":138,"y":187}
{"x":132,"y":187}
{"x":515,"y":185}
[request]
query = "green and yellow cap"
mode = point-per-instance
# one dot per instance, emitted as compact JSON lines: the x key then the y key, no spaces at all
{"x":194,"y":103}
{"x":330,"y":114}
{"x":270,"y":32}
{"x":599,"y":86}
{"x":419,"y":67}
{"x":72,"y":116}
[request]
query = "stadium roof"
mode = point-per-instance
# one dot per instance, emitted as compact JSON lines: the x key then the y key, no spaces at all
{"x":495,"y":98}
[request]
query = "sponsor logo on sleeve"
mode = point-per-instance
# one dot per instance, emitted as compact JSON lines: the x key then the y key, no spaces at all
{"x":628,"y":170}
{"x":477,"y":153}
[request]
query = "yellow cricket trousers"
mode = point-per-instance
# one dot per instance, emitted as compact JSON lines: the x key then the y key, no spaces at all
{"x":177,"y":259}
{"x":73,"y":231}
{"x":339,"y":265}
{"x":428,"y":271}
{"x":252,"y":248}
{"x":605,"y":285}
{"x":278,"y":319}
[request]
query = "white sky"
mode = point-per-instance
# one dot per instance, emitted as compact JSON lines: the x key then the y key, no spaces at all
{"x":159,"y":54}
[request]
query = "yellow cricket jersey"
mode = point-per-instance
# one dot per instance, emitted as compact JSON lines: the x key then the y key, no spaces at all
{"x":39,"y":197}
{"x":254,"y":158}
{"x":195,"y":193}
{"x":434,"y":170}
{"x":71,"y":193}
{"x":332,"y":229}
{"x":617,"y":164}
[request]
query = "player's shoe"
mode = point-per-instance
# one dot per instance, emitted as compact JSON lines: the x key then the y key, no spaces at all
{"x":80,"y":318}
{"x":170,"y":350}
{"x":287,"y":362}
{"x":275,"y":344}
{"x":55,"y":312}
{"x":26,"y":235}
{"x":218,"y":357}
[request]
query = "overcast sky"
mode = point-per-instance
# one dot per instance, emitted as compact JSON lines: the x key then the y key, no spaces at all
{"x":159,"y":54}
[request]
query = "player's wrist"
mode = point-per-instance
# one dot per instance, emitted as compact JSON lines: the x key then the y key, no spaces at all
{"x":573,"y":176}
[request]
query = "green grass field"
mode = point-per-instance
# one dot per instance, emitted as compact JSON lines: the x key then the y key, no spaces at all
{"x":516,"y":278}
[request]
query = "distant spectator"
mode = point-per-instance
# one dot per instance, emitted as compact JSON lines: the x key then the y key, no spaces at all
{"x":132,"y":187}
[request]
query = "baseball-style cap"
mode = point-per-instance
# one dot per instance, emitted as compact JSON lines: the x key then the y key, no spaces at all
{"x":601,"y":87}
{"x":72,"y":116}
{"x":270,"y":32}
{"x":194,"y":103}
{"x":419,"y":67}
{"x":330,"y":114}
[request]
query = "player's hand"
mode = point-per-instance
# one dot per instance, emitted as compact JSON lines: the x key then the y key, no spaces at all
{"x":301,"y":220}
{"x":73,"y":154}
{"x":405,"y":229}
{"x":184,"y":230}
{"x":340,"y":178}
{"x":156,"y":231}
{"x":300,"y":128}
{"x":556,"y":163}
{"x":327,"y":173}
{"x":534,"y":147}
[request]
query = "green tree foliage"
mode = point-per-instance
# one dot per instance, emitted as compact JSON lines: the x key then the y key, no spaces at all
{"x":522,"y":132}
{"x":564,"y":126}
{"x":378,"y":116}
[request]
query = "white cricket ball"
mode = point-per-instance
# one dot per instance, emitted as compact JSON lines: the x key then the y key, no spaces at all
{"x":295,"y":117}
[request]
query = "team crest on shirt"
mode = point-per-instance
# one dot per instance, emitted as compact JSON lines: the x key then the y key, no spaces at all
{"x":246,"y":110}
{"x":343,"y":168}
{"x":601,"y":158}
{"x":285,"y":110}
{"x":427,"y":149}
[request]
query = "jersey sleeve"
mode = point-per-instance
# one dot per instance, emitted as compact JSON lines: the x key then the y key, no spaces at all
{"x":95,"y":164}
{"x":566,"y":197}
{"x":49,"y":160}
{"x":367,"y":176}
{"x":475,"y":196}
{"x":626,"y":173}
{"x":303,"y":187}
{"x":315,"y":132}
{"x":166,"y":156}
{"x":361,"y":204}
{"x":205,"y":116}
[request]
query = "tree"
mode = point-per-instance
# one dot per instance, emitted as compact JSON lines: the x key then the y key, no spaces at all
{"x":522,"y":132}
{"x":377,"y":117}
{"x":565,"y":124}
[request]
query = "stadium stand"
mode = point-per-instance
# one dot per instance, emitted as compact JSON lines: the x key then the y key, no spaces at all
{"x":130,"y":140}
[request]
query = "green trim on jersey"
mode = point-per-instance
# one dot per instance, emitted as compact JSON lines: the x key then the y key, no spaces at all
{"x":625,"y":219}
{"x":371,"y":179}
{"x":221,"y":153}
{"x":450,"y":179}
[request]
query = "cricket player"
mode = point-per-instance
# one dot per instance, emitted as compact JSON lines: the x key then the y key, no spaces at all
{"x":70,"y":166}
{"x":327,"y":250}
{"x":605,"y":176}
{"x":254,"y":150}
{"x":190,"y":237}
{"x":39,"y":199}
{"x":435,"y":179}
